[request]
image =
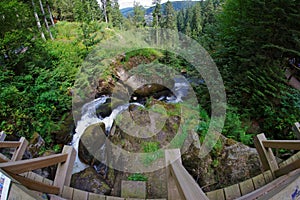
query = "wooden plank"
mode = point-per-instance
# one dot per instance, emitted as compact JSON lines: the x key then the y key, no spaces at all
{"x":17,"y":192}
{"x":55,"y":197}
{"x":80,"y":194}
{"x":93,"y":196}
{"x":35,"y":185}
{"x":39,"y":178}
{"x":266,"y":156}
{"x":270,"y":186}
{"x":296,"y":129}
{"x":282,"y":144}
{"x":9,"y":144}
{"x":31,"y":175}
{"x":268,"y":176}
{"x":2,"y":136}
{"x":232,"y":192}
{"x":21,"y":166}
{"x":3,"y":158}
{"x":246,"y":186}
{"x":67,"y":192}
{"x":19,"y":152}
{"x":259,"y":181}
{"x":216,"y":195}
{"x":173,"y":191}
{"x":288,"y":168}
{"x":64,"y":170}
{"x":114,"y":198}
{"x":48,"y":181}
{"x":186,"y":182}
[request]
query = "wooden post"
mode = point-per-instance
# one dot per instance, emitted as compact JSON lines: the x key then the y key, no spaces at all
{"x":296,"y":129}
{"x":170,"y":156}
{"x":266,"y":155}
{"x":183,"y":184}
{"x":2,"y":136}
{"x":64,"y":170}
{"x":19,"y":152}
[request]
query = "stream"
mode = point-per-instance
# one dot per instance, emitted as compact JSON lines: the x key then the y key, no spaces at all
{"x":89,"y":117}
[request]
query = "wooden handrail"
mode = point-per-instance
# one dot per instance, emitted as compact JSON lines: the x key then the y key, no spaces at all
{"x":267,"y":157}
{"x":186,"y":186}
{"x":22,"y":166}
{"x":35,"y":185}
{"x":282,"y":144}
{"x":9,"y":144}
{"x":186,"y":183}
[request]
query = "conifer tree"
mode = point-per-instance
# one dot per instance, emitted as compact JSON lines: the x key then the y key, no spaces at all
{"x":196,"y":23}
{"x":138,"y":16}
{"x":257,"y":37}
{"x":117,"y":18}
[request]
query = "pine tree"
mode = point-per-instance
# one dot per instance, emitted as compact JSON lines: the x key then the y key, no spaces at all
{"x":180,"y":21}
{"x":107,"y":9}
{"x":138,"y":15}
{"x":169,"y":21}
{"x":156,"y":13}
{"x":196,"y":23}
{"x":256,"y":38}
{"x":117,"y":17}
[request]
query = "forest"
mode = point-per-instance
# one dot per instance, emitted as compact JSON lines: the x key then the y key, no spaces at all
{"x":43,"y":44}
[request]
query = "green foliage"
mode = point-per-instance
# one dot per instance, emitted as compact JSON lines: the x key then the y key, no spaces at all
{"x":35,"y":97}
{"x":138,"y":16}
{"x":234,"y":129}
{"x":256,"y":37}
{"x":137,"y":177}
{"x":147,"y":52}
{"x":149,"y":147}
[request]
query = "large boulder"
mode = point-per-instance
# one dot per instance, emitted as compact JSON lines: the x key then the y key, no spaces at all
{"x":228,"y":163}
{"x":91,"y":143}
{"x":89,"y":180}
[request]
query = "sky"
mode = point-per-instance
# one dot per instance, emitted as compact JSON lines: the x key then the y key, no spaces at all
{"x":145,"y":3}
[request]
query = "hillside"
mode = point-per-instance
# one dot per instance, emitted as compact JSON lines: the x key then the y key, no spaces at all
{"x":178,"y":5}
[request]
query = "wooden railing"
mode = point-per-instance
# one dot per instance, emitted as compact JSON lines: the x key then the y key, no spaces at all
{"x":20,"y":147}
{"x":267,"y":157}
{"x":181,"y":185}
{"x":15,"y":167}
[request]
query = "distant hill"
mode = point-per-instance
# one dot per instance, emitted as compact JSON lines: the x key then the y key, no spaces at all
{"x":178,"y":5}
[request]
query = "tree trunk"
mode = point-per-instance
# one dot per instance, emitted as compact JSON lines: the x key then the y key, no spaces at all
{"x":38,"y":21}
{"x":50,"y":14}
{"x":45,"y":19}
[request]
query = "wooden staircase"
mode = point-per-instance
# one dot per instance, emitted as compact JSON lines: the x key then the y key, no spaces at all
{"x":277,"y":180}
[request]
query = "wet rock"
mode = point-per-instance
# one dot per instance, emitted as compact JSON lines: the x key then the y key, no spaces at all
{"x":91,"y":144}
{"x":36,"y":144}
{"x":89,"y":180}
{"x":64,"y":135}
{"x":227,"y":164}
{"x":105,"y":87}
{"x":105,"y":109}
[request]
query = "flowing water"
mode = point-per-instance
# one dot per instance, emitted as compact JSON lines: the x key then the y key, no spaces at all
{"x":89,"y":117}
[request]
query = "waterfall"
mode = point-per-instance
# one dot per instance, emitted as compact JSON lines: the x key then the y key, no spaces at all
{"x":89,"y":117}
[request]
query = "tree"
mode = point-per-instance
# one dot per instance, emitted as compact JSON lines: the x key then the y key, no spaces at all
{"x":106,"y":8}
{"x":117,"y":17}
{"x":138,"y":15}
{"x":256,"y":37}
{"x":196,"y":23}
{"x":180,"y":21}
{"x":169,"y":21}
{"x":156,"y":13}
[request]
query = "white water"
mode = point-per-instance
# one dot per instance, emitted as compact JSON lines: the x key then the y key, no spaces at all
{"x":89,"y":117}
